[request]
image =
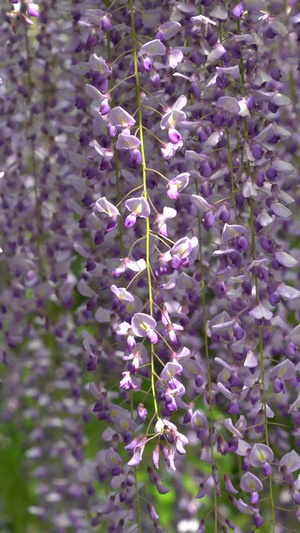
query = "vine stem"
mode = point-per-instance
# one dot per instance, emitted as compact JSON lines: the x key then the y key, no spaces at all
{"x":229,"y":153}
{"x":145,"y":192}
{"x":206,"y":347}
{"x":262,"y":358}
{"x":260,"y":339}
{"x":137,"y":494}
{"x":116,"y":156}
{"x":120,"y":227}
{"x":231,"y":173}
{"x":37,"y":210}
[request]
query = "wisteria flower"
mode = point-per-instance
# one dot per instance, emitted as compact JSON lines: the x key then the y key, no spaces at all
{"x":137,"y":445}
{"x":153,"y":48}
{"x":144,"y":325}
{"x":167,"y":30}
{"x":181,"y":250}
{"x":102,"y":205}
{"x":169,"y":150}
{"x":161,"y":218}
{"x":127,"y":263}
{"x":118,"y":117}
{"x":174,"y":57}
{"x":99,"y":64}
{"x":171,"y":332}
{"x":290,"y":461}
{"x":170,"y":370}
{"x":127,"y":383}
{"x":200,"y":424}
{"x":126,"y":141}
{"x":122,"y":293}
{"x":176,"y":185}
{"x":251,"y":483}
{"x":262,"y":455}
{"x":139,"y":207}
{"x":171,"y":433}
{"x":260,"y":312}
{"x":33,"y":10}
{"x":200,"y":203}
{"x":171,"y":119}
{"x":100,"y":101}
{"x":125,"y":329}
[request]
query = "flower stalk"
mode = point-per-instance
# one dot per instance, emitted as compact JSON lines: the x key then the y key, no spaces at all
{"x":145,"y":190}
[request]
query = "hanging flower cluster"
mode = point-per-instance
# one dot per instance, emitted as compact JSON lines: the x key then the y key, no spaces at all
{"x":149,"y":254}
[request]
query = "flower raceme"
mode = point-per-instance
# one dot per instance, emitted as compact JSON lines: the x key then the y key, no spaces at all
{"x":210,"y":241}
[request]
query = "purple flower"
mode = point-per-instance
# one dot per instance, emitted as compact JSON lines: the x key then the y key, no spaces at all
{"x":168,"y":212}
{"x":126,"y":263}
{"x":174,"y":136}
{"x":257,"y":519}
{"x":127,"y":142}
{"x":102,"y":205}
{"x":127,"y":383}
{"x":139,"y":207}
{"x":181,"y":250}
{"x":250,"y":483}
{"x":143,"y":325}
{"x":291,"y":461}
{"x":170,"y":370}
{"x":238,"y":11}
{"x":229,"y":486}
{"x":153,"y":48}
{"x":168,"y":150}
{"x":167,"y":30}
{"x":180,"y":182}
{"x":33,"y":9}
{"x":125,"y":329}
{"x":174,"y":57}
{"x":260,"y":312}
{"x":152,"y":512}
{"x":118,"y":117}
{"x":142,"y":412}
{"x":262,"y":455}
{"x":122,"y":294}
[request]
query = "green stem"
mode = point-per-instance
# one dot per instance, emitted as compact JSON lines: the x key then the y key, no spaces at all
{"x":253,"y":238}
{"x":208,"y":363}
{"x":231,"y":173}
{"x":38,"y":216}
{"x":116,"y":156}
{"x":145,"y":192}
{"x":120,"y":82}
{"x":229,"y":151}
{"x":157,"y":172}
{"x":262,"y":360}
{"x":137,"y":494}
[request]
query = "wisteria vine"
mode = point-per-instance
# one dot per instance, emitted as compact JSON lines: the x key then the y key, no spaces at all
{"x":149,"y":262}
